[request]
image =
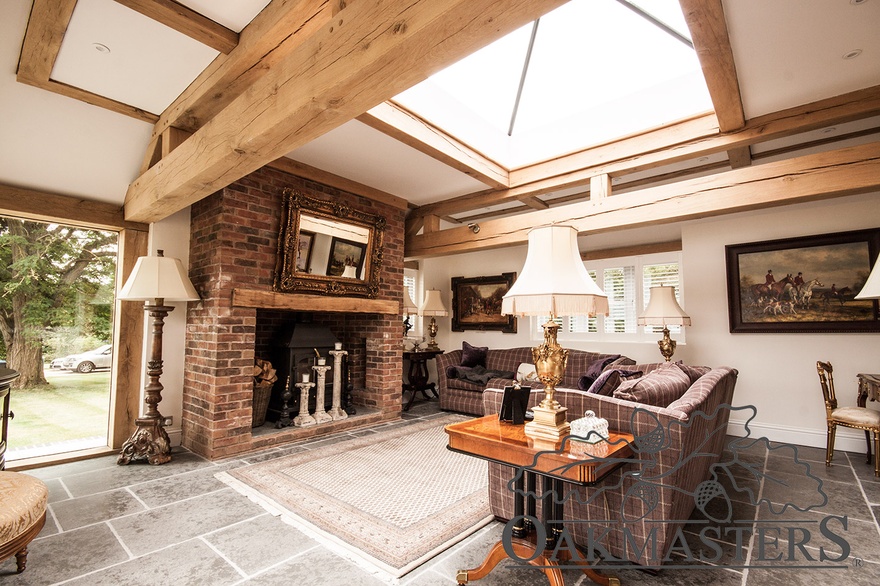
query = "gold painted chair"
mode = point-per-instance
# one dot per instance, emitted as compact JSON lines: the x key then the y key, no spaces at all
{"x":854,"y":417}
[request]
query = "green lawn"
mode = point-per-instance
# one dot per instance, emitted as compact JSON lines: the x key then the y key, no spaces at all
{"x":72,"y":407}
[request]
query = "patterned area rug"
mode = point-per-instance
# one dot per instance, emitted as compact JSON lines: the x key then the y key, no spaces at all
{"x":391,"y":499}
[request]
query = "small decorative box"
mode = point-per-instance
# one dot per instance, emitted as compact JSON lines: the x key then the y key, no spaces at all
{"x":583,"y":427}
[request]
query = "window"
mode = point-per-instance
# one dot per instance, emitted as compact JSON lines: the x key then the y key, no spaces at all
{"x":627,"y":281}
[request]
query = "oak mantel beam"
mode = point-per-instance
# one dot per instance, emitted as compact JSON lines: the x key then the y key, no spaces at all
{"x":370,"y":52}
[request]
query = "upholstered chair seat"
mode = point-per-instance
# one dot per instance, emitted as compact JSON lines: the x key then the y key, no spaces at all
{"x":854,"y":417}
{"x":22,"y":514}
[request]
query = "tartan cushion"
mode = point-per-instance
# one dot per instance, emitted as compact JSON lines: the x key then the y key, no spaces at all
{"x":659,"y":387}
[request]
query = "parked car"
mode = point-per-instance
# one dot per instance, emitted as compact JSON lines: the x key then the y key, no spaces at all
{"x":58,"y":363}
{"x":88,"y":361}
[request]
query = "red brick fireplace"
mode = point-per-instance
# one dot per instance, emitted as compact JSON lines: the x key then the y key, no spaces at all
{"x":233,"y":249}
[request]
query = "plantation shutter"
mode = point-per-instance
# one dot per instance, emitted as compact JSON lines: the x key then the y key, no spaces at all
{"x":620,"y":286}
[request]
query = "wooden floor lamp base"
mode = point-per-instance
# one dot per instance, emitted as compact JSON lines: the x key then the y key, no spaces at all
{"x":149,"y":442}
{"x":524,"y":550}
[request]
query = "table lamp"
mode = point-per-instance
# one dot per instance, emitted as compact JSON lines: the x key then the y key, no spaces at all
{"x":409,"y":310}
{"x":871,"y":290}
{"x":433,"y":306}
{"x":664,"y":310}
{"x":157,"y":279}
{"x":553,"y":282}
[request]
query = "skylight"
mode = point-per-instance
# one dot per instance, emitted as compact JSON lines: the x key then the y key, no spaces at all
{"x":598,"y":71}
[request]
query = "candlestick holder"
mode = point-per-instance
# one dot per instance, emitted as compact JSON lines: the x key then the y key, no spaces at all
{"x":336,"y":410}
{"x":304,"y":419}
{"x":321,"y":415}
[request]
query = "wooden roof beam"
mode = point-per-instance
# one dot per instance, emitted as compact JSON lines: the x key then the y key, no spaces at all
{"x":820,"y":176}
{"x":186,"y":21}
{"x":370,"y":52}
{"x":401,"y":124}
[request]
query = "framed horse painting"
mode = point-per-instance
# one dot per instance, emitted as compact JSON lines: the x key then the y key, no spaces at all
{"x":805,"y":284}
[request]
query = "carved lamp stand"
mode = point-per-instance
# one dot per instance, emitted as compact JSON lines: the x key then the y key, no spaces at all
{"x":157,"y":279}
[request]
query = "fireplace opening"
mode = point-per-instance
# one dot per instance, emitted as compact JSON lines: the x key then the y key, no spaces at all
{"x":296,"y":350}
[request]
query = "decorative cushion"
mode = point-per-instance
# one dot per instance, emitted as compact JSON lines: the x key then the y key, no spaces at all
{"x":473,"y":355}
{"x":595,"y":368}
{"x":24,"y":501}
{"x":526,"y":372}
{"x":609,"y":380}
{"x":857,"y":416}
{"x":659,"y":387}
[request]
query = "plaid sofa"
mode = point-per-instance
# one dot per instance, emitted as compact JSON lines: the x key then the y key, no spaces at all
{"x":676,"y":476}
{"x":464,"y":396}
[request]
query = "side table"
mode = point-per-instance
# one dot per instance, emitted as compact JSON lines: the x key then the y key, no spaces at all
{"x":505,"y":443}
{"x":418,"y":374}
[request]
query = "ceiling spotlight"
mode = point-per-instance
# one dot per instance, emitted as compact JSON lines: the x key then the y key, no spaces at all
{"x":828,"y":130}
{"x":852,"y":54}
{"x":857,"y":2}
{"x":101,"y":48}
{"x":474,"y":227}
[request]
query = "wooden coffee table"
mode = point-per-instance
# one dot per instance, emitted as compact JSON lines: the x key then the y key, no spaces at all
{"x":505,"y":443}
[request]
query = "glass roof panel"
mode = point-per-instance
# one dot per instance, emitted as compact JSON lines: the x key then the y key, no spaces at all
{"x":598,"y":71}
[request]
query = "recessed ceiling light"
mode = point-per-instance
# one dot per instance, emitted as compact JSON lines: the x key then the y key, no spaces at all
{"x":101,"y":48}
{"x":702,"y":159}
{"x":828,"y":130}
{"x":857,"y":2}
{"x":852,"y":54}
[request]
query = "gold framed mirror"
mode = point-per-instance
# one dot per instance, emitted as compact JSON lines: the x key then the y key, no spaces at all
{"x":328,"y":248}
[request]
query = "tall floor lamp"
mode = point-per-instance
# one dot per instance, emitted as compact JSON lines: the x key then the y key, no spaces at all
{"x":553,"y":282}
{"x":157,"y":279}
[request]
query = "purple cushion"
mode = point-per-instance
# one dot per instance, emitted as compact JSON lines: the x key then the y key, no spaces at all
{"x":606,"y":382}
{"x":473,"y":355}
{"x":594,"y":369}
{"x":659,"y":387}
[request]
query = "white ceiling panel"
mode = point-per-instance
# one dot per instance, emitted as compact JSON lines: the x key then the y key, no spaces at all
{"x":357,"y":152}
{"x":790,"y":52}
{"x":146,"y":64}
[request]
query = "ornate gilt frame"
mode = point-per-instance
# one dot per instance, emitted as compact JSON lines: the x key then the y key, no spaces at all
{"x":288,"y":280}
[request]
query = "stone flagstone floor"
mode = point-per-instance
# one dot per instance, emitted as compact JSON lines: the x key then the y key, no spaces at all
{"x":177,"y":524}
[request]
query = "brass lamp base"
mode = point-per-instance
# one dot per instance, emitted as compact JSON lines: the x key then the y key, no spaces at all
{"x":667,"y":345}
{"x":549,"y":416}
{"x":432,"y":331}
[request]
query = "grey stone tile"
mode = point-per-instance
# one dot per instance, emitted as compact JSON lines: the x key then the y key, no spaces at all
{"x":843,"y":497}
{"x":840,"y":470}
{"x":872,"y":491}
{"x":782,"y":574}
{"x":317,"y":566}
{"x":804,"y":526}
{"x":50,"y":527}
{"x":71,"y":468}
{"x":157,"y":528}
{"x":182,"y":486}
{"x":66,"y":555}
{"x":82,"y":511}
{"x":108,"y":478}
{"x":260,"y":543}
{"x":190,"y":563}
{"x":57,"y":492}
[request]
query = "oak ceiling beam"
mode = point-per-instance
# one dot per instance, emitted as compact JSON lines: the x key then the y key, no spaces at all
{"x":401,"y":124}
{"x":820,"y":176}
{"x":371,"y":51}
{"x":43,"y":206}
{"x":187,"y":22}
{"x":630,"y":155}
{"x":279,"y":28}
{"x":332,"y":180}
{"x":705,"y":19}
{"x":46,"y":26}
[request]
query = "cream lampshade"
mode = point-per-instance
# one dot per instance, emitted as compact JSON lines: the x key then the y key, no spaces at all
{"x":409,"y":309}
{"x":157,"y":279}
{"x":871,"y":290}
{"x":663,"y":310}
{"x":433,"y":306}
{"x":553,"y":282}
